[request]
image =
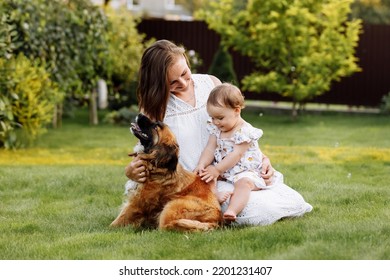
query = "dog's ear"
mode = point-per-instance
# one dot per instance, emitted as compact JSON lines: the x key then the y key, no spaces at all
{"x":167,"y":157}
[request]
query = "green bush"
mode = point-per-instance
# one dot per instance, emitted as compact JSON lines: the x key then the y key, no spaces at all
{"x":68,"y":37}
{"x":298,"y":48}
{"x":28,"y":99}
{"x":222,"y":66}
{"x":78,"y":43}
{"x":7,"y":123}
{"x":71,"y":40}
{"x":385,"y":104}
{"x":8,"y":138}
{"x":7,"y":35}
{"x":125,"y":47}
{"x":124,"y":116}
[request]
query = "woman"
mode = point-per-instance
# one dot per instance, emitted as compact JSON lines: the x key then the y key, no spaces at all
{"x":168,"y":91}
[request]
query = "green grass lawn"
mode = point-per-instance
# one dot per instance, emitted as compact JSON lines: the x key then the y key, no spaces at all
{"x":58,"y":197}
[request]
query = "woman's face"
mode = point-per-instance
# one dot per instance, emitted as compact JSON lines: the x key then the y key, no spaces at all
{"x":179,"y":76}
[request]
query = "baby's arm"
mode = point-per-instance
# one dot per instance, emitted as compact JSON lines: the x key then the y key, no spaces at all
{"x":233,"y":158}
{"x":213,"y":171}
{"x":207,"y":156}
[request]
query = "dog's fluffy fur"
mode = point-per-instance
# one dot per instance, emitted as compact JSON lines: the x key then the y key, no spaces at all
{"x":172,"y":197}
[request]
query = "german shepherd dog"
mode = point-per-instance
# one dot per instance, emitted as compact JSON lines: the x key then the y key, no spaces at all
{"x":171,"y":198}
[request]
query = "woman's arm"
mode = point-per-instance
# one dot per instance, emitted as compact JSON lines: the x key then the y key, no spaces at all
{"x":233,"y":158}
{"x":267,"y":170}
{"x":212,"y":172}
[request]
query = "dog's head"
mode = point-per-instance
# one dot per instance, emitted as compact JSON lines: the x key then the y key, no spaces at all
{"x":157,"y":139}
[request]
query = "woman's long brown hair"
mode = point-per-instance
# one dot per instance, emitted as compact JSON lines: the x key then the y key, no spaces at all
{"x":153,"y":90}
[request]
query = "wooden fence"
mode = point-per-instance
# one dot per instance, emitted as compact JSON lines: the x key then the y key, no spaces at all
{"x":364,"y":88}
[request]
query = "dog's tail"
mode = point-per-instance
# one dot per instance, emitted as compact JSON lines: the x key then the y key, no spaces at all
{"x":189,"y":225}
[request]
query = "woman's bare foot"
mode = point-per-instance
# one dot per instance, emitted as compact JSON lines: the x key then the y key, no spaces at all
{"x":223,"y":196}
{"x":229,"y":216}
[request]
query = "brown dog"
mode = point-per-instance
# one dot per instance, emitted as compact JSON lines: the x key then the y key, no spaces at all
{"x":172,"y":197}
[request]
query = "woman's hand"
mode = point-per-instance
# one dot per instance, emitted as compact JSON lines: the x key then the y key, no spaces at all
{"x":267,"y":170}
{"x":135,"y":170}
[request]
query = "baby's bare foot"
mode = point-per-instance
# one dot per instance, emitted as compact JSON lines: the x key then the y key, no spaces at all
{"x":229,"y":216}
{"x":223,"y":196}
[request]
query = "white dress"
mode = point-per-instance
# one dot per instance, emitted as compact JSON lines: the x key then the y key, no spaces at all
{"x":189,"y":126}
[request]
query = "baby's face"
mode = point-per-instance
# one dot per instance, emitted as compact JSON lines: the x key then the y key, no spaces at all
{"x":223,"y":117}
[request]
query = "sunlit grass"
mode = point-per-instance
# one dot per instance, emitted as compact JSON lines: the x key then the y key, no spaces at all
{"x":59,"y":196}
{"x":117,"y":156}
{"x":66,"y":156}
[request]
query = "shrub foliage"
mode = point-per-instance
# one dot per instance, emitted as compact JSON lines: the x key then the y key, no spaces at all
{"x":298,"y":47}
{"x":69,"y":46}
{"x":28,"y":100}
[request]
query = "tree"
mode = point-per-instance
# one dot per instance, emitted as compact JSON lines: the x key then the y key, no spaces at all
{"x":7,"y":120}
{"x":194,"y":5}
{"x":298,"y":47}
{"x":27,"y":94}
{"x":372,"y":11}
{"x":222,"y":66}
{"x":69,"y":37}
{"x":126,"y":47}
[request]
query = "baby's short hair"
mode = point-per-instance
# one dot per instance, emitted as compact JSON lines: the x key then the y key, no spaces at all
{"x":226,"y":95}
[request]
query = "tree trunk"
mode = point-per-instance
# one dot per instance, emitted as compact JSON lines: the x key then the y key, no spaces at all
{"x":294,"y":111}
{"x":93,"y":116}
{"x":57,"y":116}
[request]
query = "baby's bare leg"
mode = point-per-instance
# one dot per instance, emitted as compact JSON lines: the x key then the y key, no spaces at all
{"x":239,"y":198}
{"x":221,"y":196}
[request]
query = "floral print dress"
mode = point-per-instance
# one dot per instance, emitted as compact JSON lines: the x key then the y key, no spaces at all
{"x":249,"y":166}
